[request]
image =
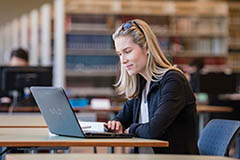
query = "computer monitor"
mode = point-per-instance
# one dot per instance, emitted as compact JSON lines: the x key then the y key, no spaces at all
{"x":218,"y":83}
{"x":17,"y":78}
{"x":20,"y":79}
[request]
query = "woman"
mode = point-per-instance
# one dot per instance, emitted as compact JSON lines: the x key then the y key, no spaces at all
{"x":161,"y":103}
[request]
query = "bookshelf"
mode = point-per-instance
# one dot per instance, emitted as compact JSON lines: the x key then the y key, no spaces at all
{"x":234,"y":36}
{"x":185,"y":30}
{"x":91,"y":65}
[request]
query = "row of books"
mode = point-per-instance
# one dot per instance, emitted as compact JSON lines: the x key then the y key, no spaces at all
{"x":213,"y":46}
{"x":234,"y":61}
{"x":200,"y":25}
{"x":235,"y":20}
{"x":159,"y":24}
{"x":89,"y":41}
{"x":92,"y":62}
{"x":234,"y":34}
{"x":87,"y":18}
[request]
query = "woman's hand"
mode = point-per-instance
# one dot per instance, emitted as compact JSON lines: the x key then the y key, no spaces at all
{"x":5,"y":100}
{"x":114,"y":126}
{"x":126,"y":131}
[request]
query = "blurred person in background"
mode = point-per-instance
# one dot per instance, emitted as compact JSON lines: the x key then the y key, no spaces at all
{"x":18,"y":58}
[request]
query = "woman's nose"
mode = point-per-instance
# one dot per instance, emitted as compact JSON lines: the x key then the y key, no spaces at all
{"x":123,"y":59}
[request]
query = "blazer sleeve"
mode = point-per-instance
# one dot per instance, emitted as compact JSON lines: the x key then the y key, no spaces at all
{"x":170,"y":103}
{"x":125,"y":116}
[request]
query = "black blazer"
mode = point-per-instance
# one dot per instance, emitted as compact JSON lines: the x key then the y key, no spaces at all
{"x":172,"y":114}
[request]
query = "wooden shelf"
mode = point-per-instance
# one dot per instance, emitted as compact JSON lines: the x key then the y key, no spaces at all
{"x":234,"y":36}
{"x":194,"y":55}
{"x":99,"y":31}
{"x":146,"y":7}
{"x":191,"y":34}
{"x":90,"y":52}
{"x":91,"y":73}
{"x":91,"y":91}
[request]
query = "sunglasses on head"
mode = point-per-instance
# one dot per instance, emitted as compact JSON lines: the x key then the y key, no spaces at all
{"x":129,"y":24}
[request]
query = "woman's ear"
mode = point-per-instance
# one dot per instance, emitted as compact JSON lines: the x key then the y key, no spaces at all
{"x":148,"y":52}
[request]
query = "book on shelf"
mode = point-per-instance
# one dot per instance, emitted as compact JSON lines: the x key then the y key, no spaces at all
{"x":88,"y":27}
{"x":159,"y":24}
{"x":88,"y":18}
{"x":86,"y":41}
{"x":92,"y":62}
{"x":233,"y":61}
{"x":164,"y":43}
{"x":88,"y":22}
{"x":92,"y":91}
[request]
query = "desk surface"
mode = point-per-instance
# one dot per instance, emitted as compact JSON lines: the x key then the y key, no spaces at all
{"x":72,"y":156}
{"x":26,"y":120}
{"x":200,"y":108}
{"x":30,"y":137}
{"x":208,"y":109}
{"x":79,"y":109}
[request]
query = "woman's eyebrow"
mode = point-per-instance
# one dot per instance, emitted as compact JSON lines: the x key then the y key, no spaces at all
{"x":126,"y":48}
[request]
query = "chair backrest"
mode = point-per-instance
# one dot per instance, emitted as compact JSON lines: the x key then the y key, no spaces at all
{"x":217,"y":137}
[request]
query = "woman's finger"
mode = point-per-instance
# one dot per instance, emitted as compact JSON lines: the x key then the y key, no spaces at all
{"x":113,"y":125}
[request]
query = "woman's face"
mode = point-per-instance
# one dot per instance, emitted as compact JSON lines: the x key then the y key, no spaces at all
{"x":132,"y":56}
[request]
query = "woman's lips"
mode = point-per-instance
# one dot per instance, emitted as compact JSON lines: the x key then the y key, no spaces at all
{"x":129,"y":66}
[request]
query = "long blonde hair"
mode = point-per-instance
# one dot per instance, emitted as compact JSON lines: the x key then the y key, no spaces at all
{"x":157,"y":63}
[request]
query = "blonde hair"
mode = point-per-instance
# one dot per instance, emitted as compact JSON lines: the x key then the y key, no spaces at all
{"x":157,"y":63}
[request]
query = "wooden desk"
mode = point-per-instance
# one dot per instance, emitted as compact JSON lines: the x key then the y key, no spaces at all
{"x":200,"y":108}
{"x":30,"y":137}
{"x":205,"y":110}
{"x":208,"y":108}
{"x":77,"y":109}
{"x":22,"y":120}
{"x":19,"y":109}
{"x":72,"y":156}
{"x":26,"y":120}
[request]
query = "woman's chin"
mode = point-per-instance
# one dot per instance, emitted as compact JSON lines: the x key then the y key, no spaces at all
{"x":131,"y":73}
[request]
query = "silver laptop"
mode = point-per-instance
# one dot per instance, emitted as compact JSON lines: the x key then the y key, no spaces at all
{"x":60,"y":117}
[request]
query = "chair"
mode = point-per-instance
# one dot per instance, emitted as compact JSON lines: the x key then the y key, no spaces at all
{"x":218,"y":136}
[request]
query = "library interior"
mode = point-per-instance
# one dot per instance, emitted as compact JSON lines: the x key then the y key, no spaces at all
{"x":72,"y":50}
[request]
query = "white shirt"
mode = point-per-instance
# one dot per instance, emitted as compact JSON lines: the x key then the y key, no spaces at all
{"x":144,"y":118}
{"x":143,"y":115}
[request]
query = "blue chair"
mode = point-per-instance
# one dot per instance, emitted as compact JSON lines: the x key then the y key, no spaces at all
{"x":218,"y":136}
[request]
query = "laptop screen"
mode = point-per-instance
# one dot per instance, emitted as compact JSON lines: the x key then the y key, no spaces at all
{"x":57,"y":111}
